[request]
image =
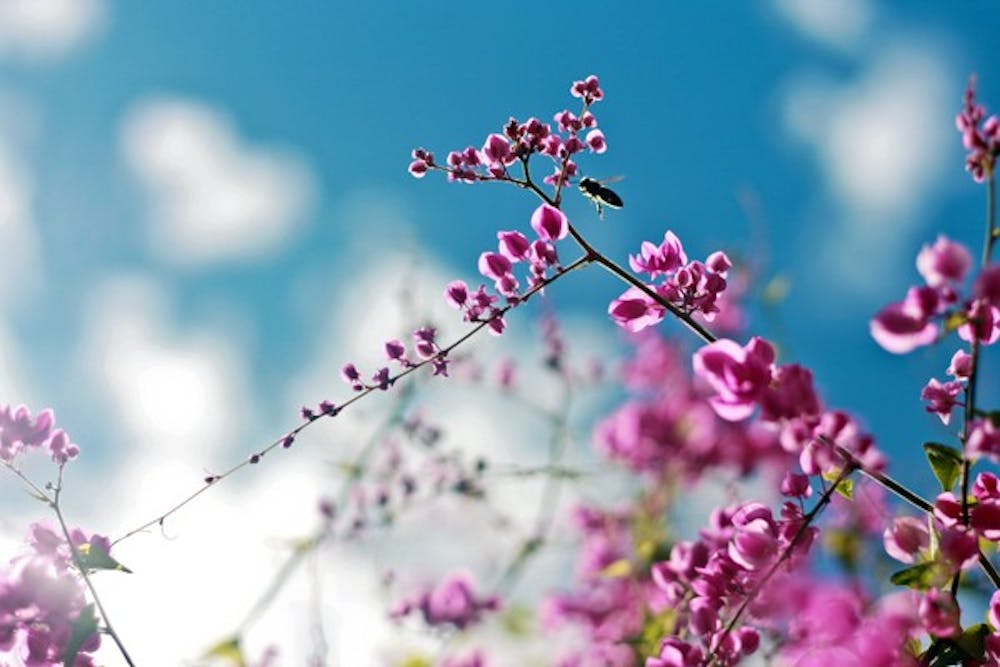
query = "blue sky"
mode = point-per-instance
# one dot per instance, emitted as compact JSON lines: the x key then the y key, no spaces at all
{"x":121,"y":124}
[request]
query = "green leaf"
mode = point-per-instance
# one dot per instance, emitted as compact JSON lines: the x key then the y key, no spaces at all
{"x":973,"y":641}
{"x":228,"y":649}
{"x":95,"y":558}
{"x":970,"y":646}
{"x":846,"y":488}
{"x":920,"y":577}
{"x":516,"y":620}
{"x":84,"y":627}
{"x":946,"y":462}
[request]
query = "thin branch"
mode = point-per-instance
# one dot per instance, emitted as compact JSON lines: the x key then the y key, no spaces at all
{"x":81,"y":568}
{"x":215,"y":479}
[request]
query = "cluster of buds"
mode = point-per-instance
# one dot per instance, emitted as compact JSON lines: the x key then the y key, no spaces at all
{"x":981,"y":139}
{"x":693,"y":287}
{"x":518,"y":141}
{"x":550,"y":225}
{"x":425,"y":349}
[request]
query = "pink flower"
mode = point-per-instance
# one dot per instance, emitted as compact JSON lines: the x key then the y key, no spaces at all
{"x":961,"y":365}
{"x":739,"y":375}
{"x":655,"y":260}
{"x":941,"y":398}
{"x":549,"y":223}
{"x":902,"y":327}
{"x":984,"y":440}
{"x":944,"y":262}
{"x":494,"y":265}
{"x":514,"y":245}
{"x":982,"y":322}
{"x":634,"y":310}
{"x":496,"y":151}
{"x":456,"y":293}
{"x":596,"y":142}
{"x":987,"y":285}
{"x":939,"y":613}
{"x":589,"y":89}
{"x":906,"y":538}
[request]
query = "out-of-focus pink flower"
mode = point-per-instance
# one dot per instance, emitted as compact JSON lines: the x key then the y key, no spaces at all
{"x":987,"y":285}
{"x":904,"y":326}
{"x":939,"y":613}
{"x":906,"y":538}
{"x":941,"y":398}
{"x":984,"y":440}
{"x":944,"y":262}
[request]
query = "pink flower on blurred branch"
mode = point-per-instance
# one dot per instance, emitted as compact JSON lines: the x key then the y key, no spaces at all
{"x":904,"y":326}
{"x":739,"y":375}
{"x":944,"y":262}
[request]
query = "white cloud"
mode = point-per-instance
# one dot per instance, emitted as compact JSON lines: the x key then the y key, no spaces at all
{"x":214,"y":197}
{"x":19,"y":270}
{"x":46,"y":30}
{"x":882,"y":143}
{"x":173,"y":393}
{"x":838,"y":23}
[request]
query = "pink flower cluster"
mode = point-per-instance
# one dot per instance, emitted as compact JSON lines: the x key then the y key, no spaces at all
{"x":41,"y":596}
{"x":550,"y":225}
{"x":706,"y":580}
{"x":746,"y":377}
{"x":982,"y":140}
{"x":607,"y":608}
{"x":425,"y":348}
{"x":903,"y":326}
{"x":452,"y":602}
{"x":669,"y":427}
{"x":694,"y":287}
{"x":517,"y":142}
{"x":19,"y":432}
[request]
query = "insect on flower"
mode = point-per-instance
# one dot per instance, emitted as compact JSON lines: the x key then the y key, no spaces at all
{"x":601,"y":195}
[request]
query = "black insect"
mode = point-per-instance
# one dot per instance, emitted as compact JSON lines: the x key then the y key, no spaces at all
{"x":601,"y":195}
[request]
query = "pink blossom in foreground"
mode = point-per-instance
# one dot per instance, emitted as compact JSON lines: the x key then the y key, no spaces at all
{"x":739,"y":375}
